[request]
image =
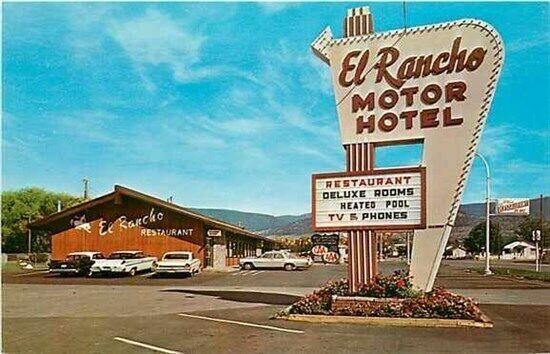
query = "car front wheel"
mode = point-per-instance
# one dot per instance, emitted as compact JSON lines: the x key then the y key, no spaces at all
{"x":289,"y":267}
{"x":132,"y":272}
{"x":248,"y":266}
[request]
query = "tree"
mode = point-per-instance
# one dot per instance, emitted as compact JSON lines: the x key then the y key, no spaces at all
{"x":528,"y":224}
{"x":475,"y":242}
{"x":34,"y":203}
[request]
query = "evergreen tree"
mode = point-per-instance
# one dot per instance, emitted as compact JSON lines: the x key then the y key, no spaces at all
{"x":528,"y":225}
{"x":475,"y":242}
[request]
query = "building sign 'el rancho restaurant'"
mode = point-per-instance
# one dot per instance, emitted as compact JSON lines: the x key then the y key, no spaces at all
{"x":126,"y":219}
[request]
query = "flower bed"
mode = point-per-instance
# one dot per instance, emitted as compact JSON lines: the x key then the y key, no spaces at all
{"x":400,"y":300}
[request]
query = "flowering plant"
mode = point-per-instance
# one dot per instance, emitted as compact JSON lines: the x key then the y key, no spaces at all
{"x":407,"y":302}
{"x":397,"y":285}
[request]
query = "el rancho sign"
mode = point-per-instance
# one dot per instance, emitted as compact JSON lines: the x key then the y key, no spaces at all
{"x":430,"y":85}
{"x":394,"y":71}
{"x":145,"y":223}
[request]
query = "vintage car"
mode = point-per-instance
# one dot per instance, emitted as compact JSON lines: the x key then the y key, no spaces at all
{"x":276,"y":260}
{"x":178,"y":262}
{"x":124,"y":262}
{"x":78,"y":263}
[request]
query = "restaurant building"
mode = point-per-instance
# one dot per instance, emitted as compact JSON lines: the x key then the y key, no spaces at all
{"x":126,"y":219}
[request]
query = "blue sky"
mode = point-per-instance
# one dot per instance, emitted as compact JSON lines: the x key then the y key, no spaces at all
{"x":223,"y":104}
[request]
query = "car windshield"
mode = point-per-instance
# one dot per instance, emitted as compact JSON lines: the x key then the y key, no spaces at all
{"x":76,"y":257}
{"x":122,"y":255}
{"x":177,"y":256}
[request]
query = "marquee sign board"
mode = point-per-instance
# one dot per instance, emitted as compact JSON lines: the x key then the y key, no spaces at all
{"x":384,"y":199}
{"x":431,"y":84}
{"x":512,"y":206}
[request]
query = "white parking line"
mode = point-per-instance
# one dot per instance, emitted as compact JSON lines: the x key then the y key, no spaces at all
{"x":259,"y":272}
{"x":31,"y":273}
{"x":147,"y":274}
{"x":242,"y":323}
{"x":148,"y":346}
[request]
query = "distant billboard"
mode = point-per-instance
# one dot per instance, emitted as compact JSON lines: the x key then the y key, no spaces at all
{"x":513,"y":206}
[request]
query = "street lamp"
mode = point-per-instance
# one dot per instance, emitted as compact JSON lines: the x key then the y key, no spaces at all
{"x":487,"y":213}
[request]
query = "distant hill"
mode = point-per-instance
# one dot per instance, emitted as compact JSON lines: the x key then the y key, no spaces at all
{"x":251,"y":221}
{"x":469,"y":215}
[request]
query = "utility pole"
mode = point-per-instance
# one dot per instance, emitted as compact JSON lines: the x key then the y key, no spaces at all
{"x":540,"y":222}
{"x":487,"y":214}
{"x":29,"y":236}
{"x":85,"y":181}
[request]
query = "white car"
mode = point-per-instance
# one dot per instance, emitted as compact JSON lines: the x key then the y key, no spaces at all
{"x":124,"y":262}
{"x":178,"y":262}
{"x":276,"y":259}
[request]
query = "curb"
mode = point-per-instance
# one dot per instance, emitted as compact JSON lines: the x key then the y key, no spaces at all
{"x":390,"y":321}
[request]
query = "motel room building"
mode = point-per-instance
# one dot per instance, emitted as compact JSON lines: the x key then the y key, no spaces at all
{"x":126,"y":219}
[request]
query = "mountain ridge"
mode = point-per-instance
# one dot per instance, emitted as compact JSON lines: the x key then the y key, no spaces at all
{"x":469,"y":215}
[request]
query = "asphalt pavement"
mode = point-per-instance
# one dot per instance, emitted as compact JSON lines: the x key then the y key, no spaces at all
{"x":229,"y":312}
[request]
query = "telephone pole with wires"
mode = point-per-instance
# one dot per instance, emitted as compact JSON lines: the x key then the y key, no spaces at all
{"x":86,"y":193}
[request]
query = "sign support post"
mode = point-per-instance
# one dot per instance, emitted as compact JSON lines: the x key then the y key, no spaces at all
{"x":537,"y":238}
{"x":362,"y":245}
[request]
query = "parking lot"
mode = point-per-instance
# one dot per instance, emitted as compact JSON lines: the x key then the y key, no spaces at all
{"x":229,"y":312}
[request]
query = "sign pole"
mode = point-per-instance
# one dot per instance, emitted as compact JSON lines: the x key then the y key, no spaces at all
{"x":537,"y":265}
{"x":537,"y":237}
{"x":362,"y":263}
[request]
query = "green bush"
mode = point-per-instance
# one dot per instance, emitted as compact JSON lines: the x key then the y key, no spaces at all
{"x":407,"y":302}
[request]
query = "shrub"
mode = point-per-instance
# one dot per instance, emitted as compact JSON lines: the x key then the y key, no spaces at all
{"x":438,"y":303}
{"x":397,"y":285}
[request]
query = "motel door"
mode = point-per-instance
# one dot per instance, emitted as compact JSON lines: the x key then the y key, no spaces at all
{"x":209,"y":253}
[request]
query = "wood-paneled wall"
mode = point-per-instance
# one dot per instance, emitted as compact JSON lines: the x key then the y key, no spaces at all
{"x":72,"y":239}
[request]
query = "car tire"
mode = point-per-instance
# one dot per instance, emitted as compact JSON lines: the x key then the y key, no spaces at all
{"x":248,"y":266}
{"x":90,"y":273}
{"x":289,"y":267}
{"x":132,"y":272}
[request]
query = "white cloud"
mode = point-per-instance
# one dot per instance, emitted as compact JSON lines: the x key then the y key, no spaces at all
{"x":498,"y":141}
{"x":528,"y":43}
{"x":89,"y":126}
{"x":156,"y":39}
{"x":244,"y":126}
{"x":275,"y":7}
